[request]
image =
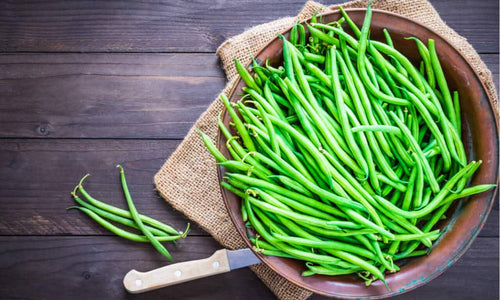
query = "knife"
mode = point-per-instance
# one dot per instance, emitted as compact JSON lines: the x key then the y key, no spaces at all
{"x":221,"y":261}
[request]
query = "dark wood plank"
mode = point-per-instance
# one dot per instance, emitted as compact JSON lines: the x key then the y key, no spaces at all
{"x":111,"y":95}
{"x":36,"y":177}
{"x":93,"y":267}
{"x":183,"y":26}
{"x":104,"y":95}
{"x":463,"y":17}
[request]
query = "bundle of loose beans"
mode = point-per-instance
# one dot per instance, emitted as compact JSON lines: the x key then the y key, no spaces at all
{"x":347,"y":155}
{"x":153,"y":231}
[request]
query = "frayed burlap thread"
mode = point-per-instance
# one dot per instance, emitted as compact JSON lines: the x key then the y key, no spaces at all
{"x":188,"y":179}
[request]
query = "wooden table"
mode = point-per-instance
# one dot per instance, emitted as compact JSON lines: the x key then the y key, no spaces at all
{"x":85,"y":85}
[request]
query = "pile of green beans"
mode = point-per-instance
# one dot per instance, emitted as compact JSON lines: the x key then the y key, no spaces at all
{"x":153,"y":231}
{"x":347,"y":155}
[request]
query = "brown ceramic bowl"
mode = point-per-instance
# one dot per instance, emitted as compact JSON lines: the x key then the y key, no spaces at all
{"x":480,"y":137}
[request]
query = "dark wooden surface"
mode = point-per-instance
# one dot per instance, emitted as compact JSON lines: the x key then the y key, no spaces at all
{"x":85,"y":85}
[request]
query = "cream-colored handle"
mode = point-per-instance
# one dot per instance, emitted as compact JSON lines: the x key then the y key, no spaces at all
{"x":138,"y":282}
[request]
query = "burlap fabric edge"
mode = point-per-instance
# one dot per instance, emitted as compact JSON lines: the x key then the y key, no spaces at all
{"x":188,"y":179}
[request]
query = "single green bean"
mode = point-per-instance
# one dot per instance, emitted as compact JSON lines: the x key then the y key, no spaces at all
{"x":123,"y":233}
{"x":137,"y":219}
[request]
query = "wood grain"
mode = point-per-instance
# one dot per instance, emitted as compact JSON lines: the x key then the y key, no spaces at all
{"x":111,"y":95}
{"x":183,"y":26}
{"x":95,"y":266}
{"x":104,"y":95}
{"x":36,"y":177}
{"x":64,"y":113}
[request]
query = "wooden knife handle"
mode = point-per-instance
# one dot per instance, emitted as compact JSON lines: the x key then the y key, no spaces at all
{"x":138,"y":282}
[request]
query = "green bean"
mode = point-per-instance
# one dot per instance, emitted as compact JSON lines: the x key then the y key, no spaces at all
{"x":308,"y":236}
{"x":293,"y":33}
{"x":123,"y":233}
{"x":388,"y":39}
{"x":456,"y":105}
{"x":425,"y":199}
{"x":361,"y":220}
{"x":314,"y":57}
{"x":211,"y":147}
{"x":424,"y":53}
{"x":343,"y":115}
{"x":123,"y":213}
{"x":261,"y":100}
{"x":238,"y":124}
{"x":301,"y":113}
{"x":396,"y":197}
{"x":318,"y":74}
{"x":292,"y":184}
{"x":238,"y":149}
{"x":402,"y":155}
{"x":287,"y":59}
{"x":259,"y":242}
{"x":137,"y":219}
{"x":351,"y":24}
{"x":265,"y":185}
{"x":441,"y":81}
{"x":266,"y":160}
{"x":328,"y":271}
{"x":397,"y":185}
{"x":232,"y":189}
{"x":381,"y":128}
{"x":408,"y":197}
{"x":250,"y":117}
{"x":274,"y":253}
{"x":117,"y":218}
{"x":234,"y":165}
{"x":298,"y":217}
{"x":270,"y":129}
{"x":435,"y":202}
{"x":333,"y":245}
{"x":419,"y":185}
{"x":433,"y":235}
{"x":315,"y":153}
{"x":365,"y":110}
{"x":477,"y":189}
{"x":293,"y":166}
{"x":296,"y":253}
{"x":431,"y":179}
{"x":413,"y":254}
{"x":259,"y":70}
{"x":257,"y":80}
{"x":457,"y":142}
{"x":322,"y":180}
{"x":317,"y":119}
{"x":268,"y":95}
{"x":413,"y":122}
{"x":430,"y":122}
{"x":412,"y":71}
{"x":246,"y":76}
{"x":361,"y":59}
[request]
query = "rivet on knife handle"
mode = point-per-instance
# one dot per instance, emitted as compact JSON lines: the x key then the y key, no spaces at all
{"x":138,"y":282}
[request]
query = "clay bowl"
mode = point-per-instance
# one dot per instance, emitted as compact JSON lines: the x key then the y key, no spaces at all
{"x":480,"y":137}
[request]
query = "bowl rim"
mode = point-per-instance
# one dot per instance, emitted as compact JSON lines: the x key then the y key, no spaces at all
{"x":458,"y":254}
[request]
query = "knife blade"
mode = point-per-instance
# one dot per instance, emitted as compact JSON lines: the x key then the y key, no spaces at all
{"x":221,"y":261}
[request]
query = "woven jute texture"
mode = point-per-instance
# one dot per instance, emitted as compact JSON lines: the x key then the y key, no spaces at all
{"x":188,"y":179}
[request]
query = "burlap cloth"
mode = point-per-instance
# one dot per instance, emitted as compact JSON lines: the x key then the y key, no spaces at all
{"x":188,"y":179}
